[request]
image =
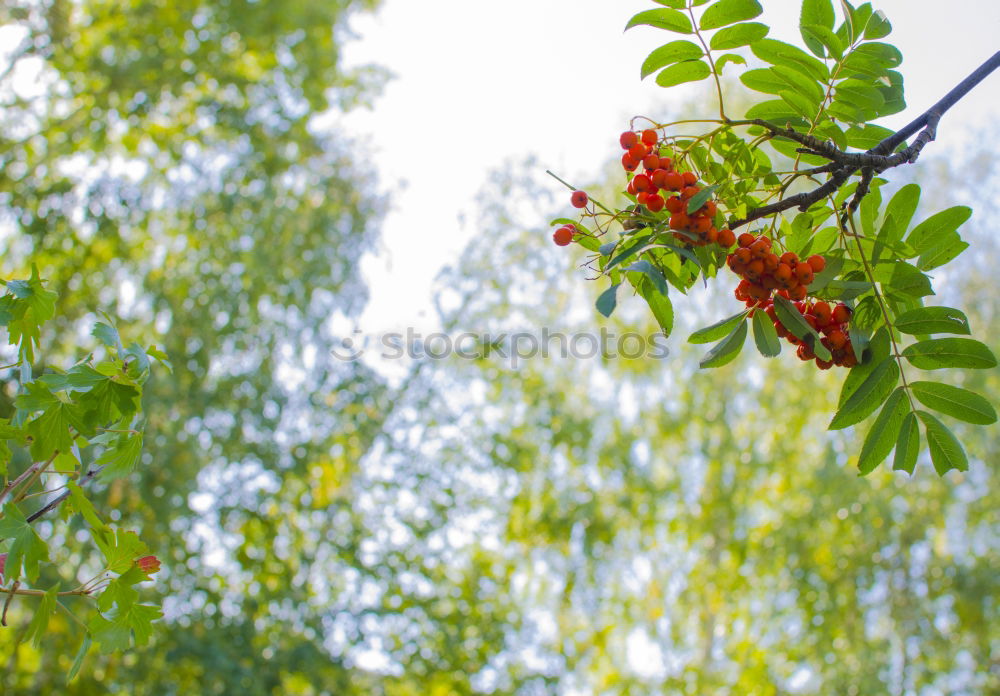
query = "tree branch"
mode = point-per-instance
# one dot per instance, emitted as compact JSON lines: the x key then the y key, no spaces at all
{"x":843,"y":164}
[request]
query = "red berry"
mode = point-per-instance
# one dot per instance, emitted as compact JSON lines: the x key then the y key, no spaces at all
{"x":642,"y":183}
{"x":841,"y":313}
{"x":659,"y":178}
{"x":689,"y":178}
{"x":628,"y":139}
{"x":629,"y":163}
{"x":817,"y":262}
{"x":650,"y":137}
{"x":638,"y":151}
{"x":651,"y":161}
{"x":674,"y":181}
{"x":579,"y":199}
{"x":655,"y":202}
{"x":563,"y":235}
{"x":666,"y":163}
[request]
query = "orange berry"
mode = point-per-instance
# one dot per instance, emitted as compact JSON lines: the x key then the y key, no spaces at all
{"x":841,"y":313}
{"x":791,"y":258}
{"x":712,"y":236}
{"x":746,"y":239}
{"x":642,"y":183}
{"x":629,"y":163}
{"x":743,"y":255}
{"x":689,"y":192}
{"x":651,"y":162}
{"x":679,"y":221}
{"x":690,"y":178}
{"x":655,"y":202}
{"x":667,"y":163}
{"x":727,"y":238}
{"x":563,"y":235}
{"x":628,"y":139}
{"x":638,"y":151}
{"x":649,"y":137}
{"x":817,"y":262}
{"x":674,"y":181}
{"x":674,"y":204}
{"x":579,"y":199}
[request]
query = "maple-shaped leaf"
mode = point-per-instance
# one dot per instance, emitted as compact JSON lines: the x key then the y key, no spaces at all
{"x":121,"y":549}
{"x":121,"y":456}
{"x":40,"y":621}
{"x":120,"y":592}
{"x":50,"y":431}
{"x":27,"y":549}
{"x":112,"y":634}
{"x":108,"y":400}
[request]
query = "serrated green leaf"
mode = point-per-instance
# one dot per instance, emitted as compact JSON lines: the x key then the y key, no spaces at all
{"x":74,"y":669}
{"x":685,"y":71}
{"x":884,"y":432}
{"x":932,"y":320}
{"x":869,"y":395}
{"x":26,"y":550}
{"x":938,"y":353}
{"x":945,"y":251}
{"x":738,"y":35}
{"x":725,"y":12}
{"x":659,"y":303}
{"x":652,"y":273}
{"x":931,"y":231}
{"x":106,"y":334}
{"x":765,"y":336}
{"x":955,"y":402}
{"x":121,"y":549}
{"x":817,"y":38}
{"x":780,"y":53}
{"x":727,"y":58}
{"x":669,"y":19}
{"x":670,"y":53}
{"x":790,"y":318}
{"x":701,"y":198}
{"x":40,"y":621}
{"x":726,"y":350}
{"x":907,"y":445}
{"x":818,"y":12}
{"x":718,"y":330}
{"x":946,"y":451}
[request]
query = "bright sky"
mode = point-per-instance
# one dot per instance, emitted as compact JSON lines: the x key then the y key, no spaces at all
{"x":479,"y":83}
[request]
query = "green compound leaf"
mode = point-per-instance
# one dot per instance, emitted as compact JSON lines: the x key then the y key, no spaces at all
{"x":793,"y":321}
{"x":869,"y":395}
{"x":946,"y":450}
{"x":659,"y":303}
{"x":884,"y":433}
{"x":765,"y":335}
{"x":726,"y":12}
{"x":686,"y":71}
{"x":718,"y":330}
{"x":26,"y":549}
{"x":671,"y":20}
{"x":738,"y":35}
{"x":955,"y":402}
{"x":907,"y":445}
{"x":670,"y":53}
{"x":726,"y":350}
{"x":932,"y":320}
{"x":938,"y":353}
{"x":608,"y":300}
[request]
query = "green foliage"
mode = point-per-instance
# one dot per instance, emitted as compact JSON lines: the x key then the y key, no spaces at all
{"x":804,"y":169}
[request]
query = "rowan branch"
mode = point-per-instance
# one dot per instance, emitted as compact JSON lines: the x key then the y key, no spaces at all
{"x":843,"y":165}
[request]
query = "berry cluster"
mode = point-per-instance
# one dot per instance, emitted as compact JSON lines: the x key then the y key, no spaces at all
{"x":832,"y":323}
{"x":659,"y":177}
{"x":763,"y":271}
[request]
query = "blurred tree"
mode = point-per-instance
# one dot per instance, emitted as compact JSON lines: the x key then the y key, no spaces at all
{"x":167,"y":161}
{"x":566,"y":526}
